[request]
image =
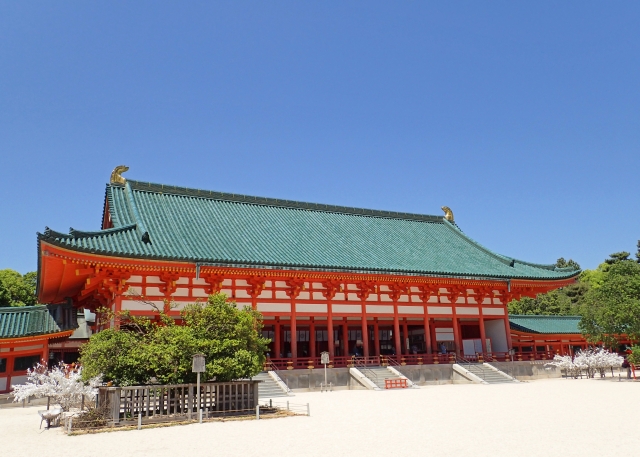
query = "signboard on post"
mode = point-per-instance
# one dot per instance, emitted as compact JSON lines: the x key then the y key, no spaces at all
{"x":198,"y":365}
{"x":324,"y":358}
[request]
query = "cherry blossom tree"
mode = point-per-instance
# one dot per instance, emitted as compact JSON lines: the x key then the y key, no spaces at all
{"x":65,"y":387}
{"x":589,"y":361}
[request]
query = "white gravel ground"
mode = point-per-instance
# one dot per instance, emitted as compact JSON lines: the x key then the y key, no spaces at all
{"x":548,"y":417}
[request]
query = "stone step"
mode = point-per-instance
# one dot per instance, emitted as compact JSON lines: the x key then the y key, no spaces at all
{"x":268,"y":388}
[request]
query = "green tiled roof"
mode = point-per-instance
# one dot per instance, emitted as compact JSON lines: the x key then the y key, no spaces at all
{"x":544,"y":324}
{"x":22,"y":321}
{"x":154,"y":221}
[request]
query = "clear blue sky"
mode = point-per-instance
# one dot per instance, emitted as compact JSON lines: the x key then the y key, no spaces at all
{"x":523,"y":117}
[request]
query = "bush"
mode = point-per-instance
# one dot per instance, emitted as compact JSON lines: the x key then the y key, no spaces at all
{"x":146,"y":350}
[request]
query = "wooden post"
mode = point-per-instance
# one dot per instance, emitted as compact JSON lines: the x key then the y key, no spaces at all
{"x":376,"y":337}
{"x":456,"y":334}
{"x":345,"y":338}
{"x":427,"y":333}
{"x":365,"y":333}
{"x":277,"y":348}
{"x":294,"y":332}
{"x":483,"y":335}
{"x":312,"y":338}
{"x":396,"y":329}
{"x":330,"y":337}
{"x":405,"y":331}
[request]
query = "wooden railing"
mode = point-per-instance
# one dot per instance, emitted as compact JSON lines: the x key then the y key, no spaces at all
{"x":171,"y":402}
{"x":406,"y":359}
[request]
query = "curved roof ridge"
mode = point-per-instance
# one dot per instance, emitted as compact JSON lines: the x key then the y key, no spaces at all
{"x":504,"y":259}
{"x":73,"y":233}
{"x":266,"y":201}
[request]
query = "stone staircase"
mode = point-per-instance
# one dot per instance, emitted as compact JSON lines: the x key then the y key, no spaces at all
{"x":268,"y":388}
{"x":377,"y":374}
{"x":488,"y":374}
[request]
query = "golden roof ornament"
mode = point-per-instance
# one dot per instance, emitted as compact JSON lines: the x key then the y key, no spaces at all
{"x":448,"y":214}
{"x":116,"y":174}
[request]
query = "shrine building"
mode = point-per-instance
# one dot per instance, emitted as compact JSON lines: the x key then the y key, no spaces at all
{"x":345,"y":280}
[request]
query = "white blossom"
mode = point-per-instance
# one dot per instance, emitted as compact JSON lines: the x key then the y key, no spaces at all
{"x":65,"y":387}
{"x":588,"y":361}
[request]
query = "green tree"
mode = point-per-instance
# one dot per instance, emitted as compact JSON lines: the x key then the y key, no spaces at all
{"x":146,"y":349}
{"x":555,"y":302}
{"x":613,"y":308}
{"x":5,"y":295}
{"x":17,"y":289}
{"x":634,"y":357}
{"x":561,"y":263}
{"x":617,"y":257}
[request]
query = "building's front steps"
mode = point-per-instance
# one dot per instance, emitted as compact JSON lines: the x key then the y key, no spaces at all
{"x":420,"y":375}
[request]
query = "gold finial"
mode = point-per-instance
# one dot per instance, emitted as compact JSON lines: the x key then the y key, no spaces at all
{"x":448,"y":214}
{"x":116,"y":174}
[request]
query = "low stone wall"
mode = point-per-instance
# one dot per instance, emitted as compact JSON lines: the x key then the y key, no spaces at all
{"x":311,"y":379}
{"x":525,"y":371}
{"x":422,"y":375}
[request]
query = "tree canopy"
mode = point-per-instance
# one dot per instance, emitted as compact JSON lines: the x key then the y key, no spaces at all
{"x":17,"y":289}
{"x":561,"y":302}
{"x":158,"y":349}
{"x":607,"y":298}
{"x":612,"y":308}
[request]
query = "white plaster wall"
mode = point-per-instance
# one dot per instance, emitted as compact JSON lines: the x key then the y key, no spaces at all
{"x":440,"y":309}
{"x":493,"y":311}
{"x":467,"y":310}
{"x":196,"y":292}
{"x":132,"y":305}
{"x":304,"y":308}
{"x":347,"y":308}
{"x":181,"y":292}
{"x":494,"y":329}
{"x":380,"y":309}
{"x":274,"y":307}
{"x":410,"y":310}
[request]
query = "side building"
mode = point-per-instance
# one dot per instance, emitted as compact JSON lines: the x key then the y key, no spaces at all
{"x":348,"y":281}
{"x":26,"y":334}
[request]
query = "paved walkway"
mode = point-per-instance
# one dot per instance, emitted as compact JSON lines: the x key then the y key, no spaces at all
{"x":541,"y":418}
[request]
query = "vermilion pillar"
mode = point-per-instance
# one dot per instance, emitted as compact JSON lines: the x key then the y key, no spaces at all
{"x":332,"y":349}
{"x":396,"y":329}
{"x":456,"y":335}
{"x":427,"y":334}
{"x":508,"y":331}
{"x":345,"y":337}
{"x":365,"y":335}
{"x":405,"y":332}
{"x":294,"y":332}
{"x":376,"y":338}
{"x":483,"y":336}
{"x":312,"y":339}
{"x":276,"y":348}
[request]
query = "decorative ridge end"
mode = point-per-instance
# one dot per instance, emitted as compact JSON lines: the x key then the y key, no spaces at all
{"x":448,"y":214}
{"x":116,"y":174}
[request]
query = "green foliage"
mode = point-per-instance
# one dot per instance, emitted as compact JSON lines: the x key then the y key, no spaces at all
{"x":617,"y":257}
{"x":561,"y":302}
{"x":613,"y":308}
{"x":145,"y":348}
{"x":634,"y":357}
{"x":561,"y":263}
{"x":17,"y":289}
{"x":118,"y":355}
